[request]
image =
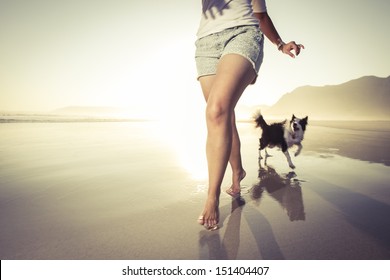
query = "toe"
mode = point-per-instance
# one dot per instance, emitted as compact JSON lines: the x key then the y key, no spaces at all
{"x":201,"y":220}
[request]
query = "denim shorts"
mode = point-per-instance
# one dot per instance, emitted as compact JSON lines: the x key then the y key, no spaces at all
{"x":243,"y":40}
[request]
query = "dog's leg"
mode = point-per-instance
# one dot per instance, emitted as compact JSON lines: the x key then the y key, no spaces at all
{"x":260,"y":157}
{"x":262,"y":145}
{"x":299,"y":149}
{"x":267,"y":154}
{"x":289,"y":159}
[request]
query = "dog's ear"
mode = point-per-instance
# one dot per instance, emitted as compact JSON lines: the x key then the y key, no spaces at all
{"x":293,"y":117}
{"x":303,"y":123}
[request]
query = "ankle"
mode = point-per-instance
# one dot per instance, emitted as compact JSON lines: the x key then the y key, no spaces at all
{"x":212,"y":200}
{"x":240,"y":173}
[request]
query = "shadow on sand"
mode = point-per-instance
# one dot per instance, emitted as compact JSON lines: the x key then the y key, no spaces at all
{"x":366,"y":214}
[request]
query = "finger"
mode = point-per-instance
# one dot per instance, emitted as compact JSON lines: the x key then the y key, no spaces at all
{"x":300,"y":46}
{"x":291,"y":54}
{"x":290,"y":49}
{"x":297,"y":50}
{"x":288,"y":52}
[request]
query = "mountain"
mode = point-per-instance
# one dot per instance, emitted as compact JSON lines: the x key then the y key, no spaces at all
{"x":245,"y":112}
{"x":366,"y":98}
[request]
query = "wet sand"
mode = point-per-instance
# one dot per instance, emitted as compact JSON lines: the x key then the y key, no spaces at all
{"x":131,"y":190}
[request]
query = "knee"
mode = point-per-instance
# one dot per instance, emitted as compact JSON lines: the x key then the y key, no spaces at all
{"x":217,"y":114}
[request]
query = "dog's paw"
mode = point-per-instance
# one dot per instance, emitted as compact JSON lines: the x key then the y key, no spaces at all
{"x":297,"y":154}
{"x":292,"y":166}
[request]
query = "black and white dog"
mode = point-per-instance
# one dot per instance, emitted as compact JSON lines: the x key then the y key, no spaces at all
{"x":283,"y":135}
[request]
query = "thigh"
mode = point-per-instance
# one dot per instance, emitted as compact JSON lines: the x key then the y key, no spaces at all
{"x":248,"y":42}
{"x":234,"y":74}
{"x":206,"y":83}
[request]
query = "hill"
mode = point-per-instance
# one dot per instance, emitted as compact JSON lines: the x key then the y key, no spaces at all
{"x":366,"y":98}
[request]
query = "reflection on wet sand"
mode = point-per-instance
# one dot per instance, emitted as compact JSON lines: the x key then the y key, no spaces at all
{"x":284,"y":189}
{"x":213,"y":248}
{"x":367,"y":141}
{"x":227,"y":249}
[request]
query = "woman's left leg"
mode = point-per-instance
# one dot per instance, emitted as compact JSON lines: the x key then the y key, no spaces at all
{"x":235,"y":161}
{"x":233,"y":75}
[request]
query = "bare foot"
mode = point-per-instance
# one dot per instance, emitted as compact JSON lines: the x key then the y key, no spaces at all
{"x":235,"y":189}
{"x":210,"y":215}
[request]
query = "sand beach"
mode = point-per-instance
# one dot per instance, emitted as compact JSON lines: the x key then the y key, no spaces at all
{"x":133,"y":191}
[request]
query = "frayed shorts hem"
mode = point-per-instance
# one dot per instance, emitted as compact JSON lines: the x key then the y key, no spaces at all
{"x":246,"y":41}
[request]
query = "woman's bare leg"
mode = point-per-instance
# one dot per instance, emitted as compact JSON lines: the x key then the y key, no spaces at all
{"x":235,"y":161}
{"x":233,"y":75}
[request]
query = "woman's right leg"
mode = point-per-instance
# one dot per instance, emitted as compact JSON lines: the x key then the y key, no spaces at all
{"x":238,"y":172}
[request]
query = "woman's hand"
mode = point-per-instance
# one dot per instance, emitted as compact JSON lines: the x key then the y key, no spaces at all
{"x":291,"y":47}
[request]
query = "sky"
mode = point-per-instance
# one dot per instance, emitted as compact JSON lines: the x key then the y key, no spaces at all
{"x":139,"y":55}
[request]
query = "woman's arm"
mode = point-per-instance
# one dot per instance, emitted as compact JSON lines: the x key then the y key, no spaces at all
{"x":269,"y":30}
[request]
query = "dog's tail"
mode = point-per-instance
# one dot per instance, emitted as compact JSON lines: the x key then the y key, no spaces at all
{"x":259,"y":120}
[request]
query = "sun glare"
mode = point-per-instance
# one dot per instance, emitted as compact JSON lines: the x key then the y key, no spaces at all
{"x":187,"y":138}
